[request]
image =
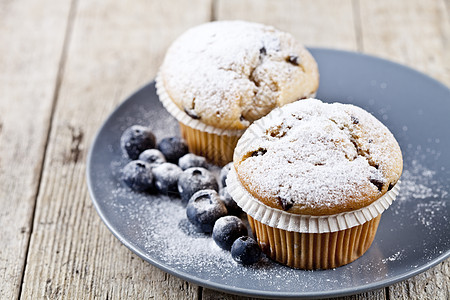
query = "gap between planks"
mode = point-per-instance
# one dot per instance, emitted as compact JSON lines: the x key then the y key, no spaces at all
{"x":357,"y":23}
{"x":60,"y":74}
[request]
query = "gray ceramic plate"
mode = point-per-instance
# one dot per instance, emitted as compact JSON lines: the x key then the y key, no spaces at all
{"x":414,"y":233}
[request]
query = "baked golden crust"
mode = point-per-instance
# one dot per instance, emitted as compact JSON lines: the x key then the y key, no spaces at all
{"x":313,"y":158}
{"x":228,"y":74}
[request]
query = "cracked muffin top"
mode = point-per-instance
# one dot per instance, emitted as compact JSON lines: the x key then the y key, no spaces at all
{"x":315,"y":158}
{"x":228,"y":74}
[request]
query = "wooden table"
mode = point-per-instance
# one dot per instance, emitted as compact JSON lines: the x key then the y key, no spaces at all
{"x":65,"y":65}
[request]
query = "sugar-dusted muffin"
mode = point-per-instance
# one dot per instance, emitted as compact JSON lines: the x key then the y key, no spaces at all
{"x":219,"y":77}
{"x":314,"y":179}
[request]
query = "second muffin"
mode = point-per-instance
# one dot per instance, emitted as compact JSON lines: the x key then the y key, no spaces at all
{"x":314,"y":179}
{"x":219,"y":77}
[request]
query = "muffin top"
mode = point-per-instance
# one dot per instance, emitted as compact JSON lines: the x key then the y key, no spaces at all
{"x":315,"y":158}
{"x":228,"y":74}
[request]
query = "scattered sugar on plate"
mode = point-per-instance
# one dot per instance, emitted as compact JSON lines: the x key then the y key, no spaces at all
{"x":157,"y":225}
{"x":397,"y":255}
{"x":420,"y":185}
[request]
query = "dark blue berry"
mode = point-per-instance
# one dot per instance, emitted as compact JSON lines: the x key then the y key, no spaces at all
{"x":191,"y":160}
{"x":173,"y":148}
{"x":152,"y":156}
{"x":204,"y":208}
{"x":232,"y":207}
{"x":226,"y":230}
{"x":138,"y":175}
{"x":224,"y":173}
{"x":193,"y":180}
{"x":166,"y":178}
{"x":136,"y":139}
{"x":246,"y":251}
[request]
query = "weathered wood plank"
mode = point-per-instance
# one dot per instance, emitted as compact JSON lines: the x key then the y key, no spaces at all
{"x":318,"y":23}
{"x":433,"y":284}
{"x":31,"y":43}
{"x":215,"y":295}
{"x":417,"y":34}
{"x":115,"y":47}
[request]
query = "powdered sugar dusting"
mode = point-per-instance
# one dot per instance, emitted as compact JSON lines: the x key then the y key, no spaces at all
{"x":427,"y":192}
{"x":162,"y":228}
{"x":230,"y":73}
{"x":397,"y":255}
{"x":418,"y":183}
{"x":318,"y":156}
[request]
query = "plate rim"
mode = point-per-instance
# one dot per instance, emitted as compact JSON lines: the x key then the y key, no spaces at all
{"x":237,"y":290}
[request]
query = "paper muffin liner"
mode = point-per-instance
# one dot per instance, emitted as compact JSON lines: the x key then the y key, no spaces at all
{"x":315,"y":250}
{"x":305,"y":223}
{"x":184,"y":118}
{"x":218,"y":149}
{"x":215,"y":144}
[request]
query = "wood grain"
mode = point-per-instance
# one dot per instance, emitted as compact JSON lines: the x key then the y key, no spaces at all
{"x":415,"y":33}
{"x":215,"y":295}
{"x":433,"y":284}
{"x":115,"y":48}
{"x":31,"y":42}
{"x":319,"y":23}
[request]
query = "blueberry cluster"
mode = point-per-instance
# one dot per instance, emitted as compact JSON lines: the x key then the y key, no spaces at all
{"x":169,"y":168}
{"x":153,"y":166}
{"x":206,"y":209}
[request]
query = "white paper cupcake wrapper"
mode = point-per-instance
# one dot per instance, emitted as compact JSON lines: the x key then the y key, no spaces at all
{"x":184,"y":118}
{"x":305,"y":223}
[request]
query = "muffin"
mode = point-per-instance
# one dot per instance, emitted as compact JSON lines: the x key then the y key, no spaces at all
{"x":314,"y":179}
{"x":219,"y":77}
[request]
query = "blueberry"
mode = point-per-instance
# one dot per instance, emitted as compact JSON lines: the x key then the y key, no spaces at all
{"x":246,"y":251}
{"x":173,"y":148}
{"x":152,"y":156}
{"x":136,"y":139}
{"x":193,"y":180}
{"x":224,"y":173}
{"x":166,"y":178}
{"x":191,"y":160}
{"x":226,"y":230}
{"x":232,"y":207}
{"x":138,"y":175}
{"x":204,"y":208}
